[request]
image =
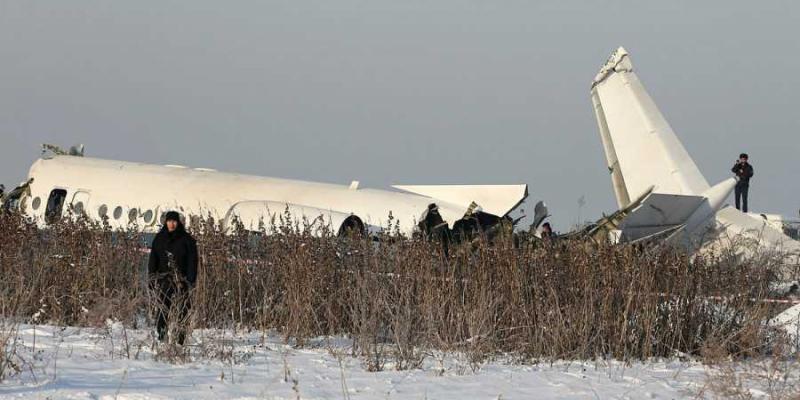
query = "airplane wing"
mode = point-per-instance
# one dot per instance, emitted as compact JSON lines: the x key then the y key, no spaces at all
{"x":493,"y":199}
{"x":641,"y":148}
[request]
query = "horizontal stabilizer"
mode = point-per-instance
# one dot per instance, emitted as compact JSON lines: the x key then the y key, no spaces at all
{"x":493,"y":199}
{"x":659,"y":212}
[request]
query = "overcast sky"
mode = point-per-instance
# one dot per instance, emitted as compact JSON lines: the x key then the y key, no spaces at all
{"x":400,"y":91}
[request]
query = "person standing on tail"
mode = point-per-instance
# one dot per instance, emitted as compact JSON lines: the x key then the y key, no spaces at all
{"x":173,"y":270}
{"x":743,"y":171}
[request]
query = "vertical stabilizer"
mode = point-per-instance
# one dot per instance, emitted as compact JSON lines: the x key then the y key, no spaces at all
{"x":649,"y":164}
{"x":641,"y":148}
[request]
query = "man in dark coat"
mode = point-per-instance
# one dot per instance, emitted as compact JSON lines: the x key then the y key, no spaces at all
{"x":547,"y":231}
{"x":743,"y":171}
{"x":173,"y":270}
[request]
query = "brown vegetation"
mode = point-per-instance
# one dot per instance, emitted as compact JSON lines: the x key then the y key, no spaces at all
{"x":401,"y":299}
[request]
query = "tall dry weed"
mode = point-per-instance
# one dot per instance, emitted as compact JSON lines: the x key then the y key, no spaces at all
{"x":401,"y":299}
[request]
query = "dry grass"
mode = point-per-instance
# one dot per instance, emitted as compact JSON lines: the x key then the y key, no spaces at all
{"x":401,"y":299}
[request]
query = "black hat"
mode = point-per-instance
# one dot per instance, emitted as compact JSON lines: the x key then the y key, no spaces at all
{"x":172,"y":216}
{"x":743,"y":155}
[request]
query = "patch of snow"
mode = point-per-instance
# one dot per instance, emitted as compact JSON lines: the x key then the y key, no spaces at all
{"x":119,"y":363}
{"x":789,"y":320}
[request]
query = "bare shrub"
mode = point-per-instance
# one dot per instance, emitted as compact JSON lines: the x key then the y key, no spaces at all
{"x":402,"y":299}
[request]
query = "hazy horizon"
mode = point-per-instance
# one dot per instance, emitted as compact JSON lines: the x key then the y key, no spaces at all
{"x":399,"y":92}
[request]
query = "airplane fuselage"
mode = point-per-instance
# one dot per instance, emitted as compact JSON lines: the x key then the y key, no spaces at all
{"x":129,"y":193}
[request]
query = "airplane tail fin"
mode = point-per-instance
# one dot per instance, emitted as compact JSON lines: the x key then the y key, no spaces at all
{"x":641,"y":148}
{"x":646,"y":158}
{"x":649,"y":164}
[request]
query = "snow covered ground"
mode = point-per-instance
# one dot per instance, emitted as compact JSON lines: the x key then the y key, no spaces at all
{"x":83,"y":363}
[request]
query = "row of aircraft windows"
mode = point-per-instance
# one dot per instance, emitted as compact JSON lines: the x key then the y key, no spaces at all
{"x":56,"y":202}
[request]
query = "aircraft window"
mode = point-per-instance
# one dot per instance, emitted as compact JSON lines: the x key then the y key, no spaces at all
{"x":36,"y":203}
{"x":118,"y":212}
{"x":55,"y":204}
{"x":148,"y":216}
{"x":162,"y":218}
{"x":102,"y":211}
{"x":78,"y":208}
{"x":132,"y":214}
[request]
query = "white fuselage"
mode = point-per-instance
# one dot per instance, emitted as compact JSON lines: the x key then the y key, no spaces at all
{"x":136,"y":193}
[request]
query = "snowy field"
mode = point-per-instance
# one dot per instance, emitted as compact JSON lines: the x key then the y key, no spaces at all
{"x":113,"y":363}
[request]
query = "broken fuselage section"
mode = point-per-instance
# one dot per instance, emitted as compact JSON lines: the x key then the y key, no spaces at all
{"x":128,"y":194}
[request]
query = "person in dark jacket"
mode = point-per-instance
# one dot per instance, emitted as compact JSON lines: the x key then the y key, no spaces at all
{"x":173,"y":270}
{"x":743,"y":171}
{"x":547,"y":231}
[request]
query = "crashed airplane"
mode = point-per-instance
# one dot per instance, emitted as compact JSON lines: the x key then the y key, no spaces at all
{"x":122,"y":193}
{"x":659,"y":189}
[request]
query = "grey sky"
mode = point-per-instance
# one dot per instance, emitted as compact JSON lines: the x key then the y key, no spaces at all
{"x":400,"y":91}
